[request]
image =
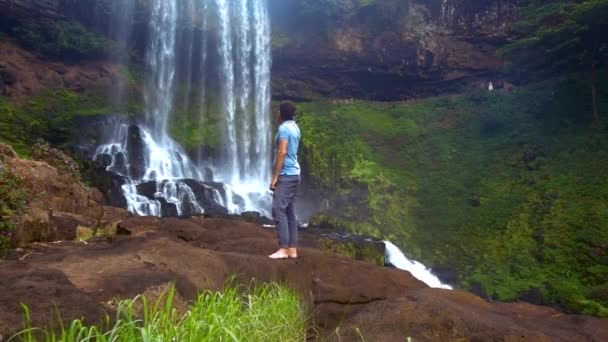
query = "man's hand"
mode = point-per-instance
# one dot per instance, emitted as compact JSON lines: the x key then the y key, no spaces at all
{"x":273,"y":183}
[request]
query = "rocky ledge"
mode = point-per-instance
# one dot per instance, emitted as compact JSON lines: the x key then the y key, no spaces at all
{"x":385,"y":304}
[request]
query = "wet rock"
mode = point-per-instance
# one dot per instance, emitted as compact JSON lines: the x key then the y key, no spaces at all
{"x":120,"y":164}
{"x":136,"y":152}
{"x":102,"y":161}
{"x":167,"y":209}
{"x":147,"y":189}
{"x":207,"y":196}
{"x":238,"y":201}
{"x":253,"y":217}
{"x":110,"y":185}
{"x":446,"y":274}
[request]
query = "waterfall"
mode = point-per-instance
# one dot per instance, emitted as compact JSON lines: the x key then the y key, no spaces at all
{"x":177,"y":61}
{"x":121,"y":24}
{"x":160,"y":58}
{"x":396,"y":258}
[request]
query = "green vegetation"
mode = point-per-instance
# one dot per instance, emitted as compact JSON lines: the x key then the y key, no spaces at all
{"x":11,"y":203}
{"x":50,"y":116}
{"x":349,"y":249}
{"x":561,"y":36}
{"x":267,"y":313}
{"x":507,"y":188}
{"x":62,"y":39}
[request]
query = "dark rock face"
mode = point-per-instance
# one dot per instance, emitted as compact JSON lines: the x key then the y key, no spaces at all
{"x":168,"y":209}
{"x":31,"y":8}
{"x":136,"y":152}
{"x":422,"y":49}
{"x":206,"y":195}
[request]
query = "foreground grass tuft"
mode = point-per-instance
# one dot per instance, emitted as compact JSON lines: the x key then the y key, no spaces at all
{"x":267,"y":313}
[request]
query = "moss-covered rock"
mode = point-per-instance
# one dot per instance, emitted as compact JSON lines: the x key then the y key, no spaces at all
{"x":369,"y":251}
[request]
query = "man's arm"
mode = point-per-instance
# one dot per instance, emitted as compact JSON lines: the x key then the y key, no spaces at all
{"x":280,"y":158}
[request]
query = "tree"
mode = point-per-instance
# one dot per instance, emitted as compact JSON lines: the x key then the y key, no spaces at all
{"x":562,"y":36}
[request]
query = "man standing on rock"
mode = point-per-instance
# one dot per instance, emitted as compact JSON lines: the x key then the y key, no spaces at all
{"x":284,"y":183}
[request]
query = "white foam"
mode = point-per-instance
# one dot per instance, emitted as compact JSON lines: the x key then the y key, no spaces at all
{"x":395,"y":256}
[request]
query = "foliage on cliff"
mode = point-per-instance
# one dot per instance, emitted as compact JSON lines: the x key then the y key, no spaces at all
{"x":49,"y":116}
{"x":11,"y":203}
{"x":562,"y":36}
{"x":508,"y":189}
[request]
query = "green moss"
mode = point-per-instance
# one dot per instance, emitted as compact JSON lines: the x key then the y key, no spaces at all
{"x":11,"y":204}
{"x":357,"y":251}
{"x":508,"y":188}
{"x":62,"y":39}
{"x":50,"y":116}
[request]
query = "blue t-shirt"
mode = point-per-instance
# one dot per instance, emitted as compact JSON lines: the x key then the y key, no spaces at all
{"x":291,"y":132}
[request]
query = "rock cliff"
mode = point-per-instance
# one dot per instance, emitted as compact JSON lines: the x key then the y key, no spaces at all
{"x":387,"y":50}
{"x":379,"y":50}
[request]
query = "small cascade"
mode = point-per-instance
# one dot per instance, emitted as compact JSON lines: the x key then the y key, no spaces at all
{"x":396,"y":258}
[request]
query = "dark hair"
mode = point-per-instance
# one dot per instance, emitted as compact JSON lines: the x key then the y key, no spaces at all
{"x":288,"y":110}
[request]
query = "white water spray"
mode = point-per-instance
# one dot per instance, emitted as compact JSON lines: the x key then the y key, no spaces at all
{"x":396,"y":257}
{"x":147,"y":152}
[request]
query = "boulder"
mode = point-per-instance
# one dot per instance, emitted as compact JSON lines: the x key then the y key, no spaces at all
{"x":207,"y":195}
{"x":55,"y":201}
{"x":147,"y":189}
{"x":167,"y":209}
{"x":136,"y":152}
{"x":42,"y":151}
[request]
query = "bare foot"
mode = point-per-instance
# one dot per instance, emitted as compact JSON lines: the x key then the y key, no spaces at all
{"x":282,"y":253}
{"x":293,"y":253}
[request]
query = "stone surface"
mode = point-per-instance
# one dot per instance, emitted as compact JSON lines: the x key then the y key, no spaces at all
{"x":383,"y":304}
{"x":57,"y":203}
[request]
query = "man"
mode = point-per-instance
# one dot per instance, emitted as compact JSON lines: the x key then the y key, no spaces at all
{"x":284,"y":183}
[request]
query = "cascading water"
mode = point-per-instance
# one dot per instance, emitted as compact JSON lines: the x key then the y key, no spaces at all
{"x":396,"y":258}
{"x":144,"y":153}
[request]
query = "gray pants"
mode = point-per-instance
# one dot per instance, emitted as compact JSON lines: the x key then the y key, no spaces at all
{"x":284,"y":212}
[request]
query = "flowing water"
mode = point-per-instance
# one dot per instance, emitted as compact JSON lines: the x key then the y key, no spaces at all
{"x":396,"y":257}
{"x":176,"y":56}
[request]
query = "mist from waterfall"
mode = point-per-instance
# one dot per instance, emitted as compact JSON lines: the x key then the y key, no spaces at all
{"x":184,"y":58}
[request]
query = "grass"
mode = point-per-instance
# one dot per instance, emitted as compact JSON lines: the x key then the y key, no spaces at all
{"x":267,"y":313}
{"x":506,"y":188}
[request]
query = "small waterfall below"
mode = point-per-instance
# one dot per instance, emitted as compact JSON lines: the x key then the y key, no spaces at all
{"x":395,"y":257}
{"x":211,"y":58}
